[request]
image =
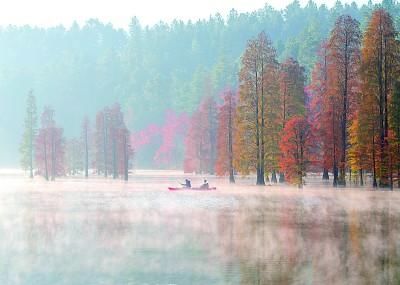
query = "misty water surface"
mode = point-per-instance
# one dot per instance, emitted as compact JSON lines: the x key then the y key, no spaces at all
{"x":90,"y":232}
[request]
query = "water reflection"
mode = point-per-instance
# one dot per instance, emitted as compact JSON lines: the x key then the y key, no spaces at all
{"x":122,"y":238}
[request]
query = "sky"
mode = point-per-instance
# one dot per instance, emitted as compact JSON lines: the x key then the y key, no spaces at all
{"x":47,"y":13}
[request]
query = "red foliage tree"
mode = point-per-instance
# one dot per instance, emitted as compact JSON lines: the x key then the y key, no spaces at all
{"x":344,"y":52}
{"x":321,"y":113}
{"x":292,"y":99}
{"x":297,"y":147}
{"x":193,"y":147}
{"x":174,"y":127}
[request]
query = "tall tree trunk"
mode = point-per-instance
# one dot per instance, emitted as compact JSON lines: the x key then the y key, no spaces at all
{"x":342,"y":174}
{"x":390,"y":171}
{"x":350,"y":176}
{"x":53,"y":156}
{"x":374,"y":182}
{"x":125,"y":157}
{"x":114,"y":157}
{"x":31,"y":147}
{"x":360,"y":172}
{"x":46,"y":170}
{"x":281,"y":174}
{"x":260,"y":176}
{"x":230,"y":142}
{"x":105,"y":145}
{"x":302,"y":168}
{"x":335,"y":168}
{"x":86,"y":154}
{"x":383,"y":178}
{"x":262,"y":151}
{"x":398,"y":163}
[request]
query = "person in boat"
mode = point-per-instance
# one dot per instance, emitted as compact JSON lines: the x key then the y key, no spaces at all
{"x":187,"y":184}
{"x":205,"y":185}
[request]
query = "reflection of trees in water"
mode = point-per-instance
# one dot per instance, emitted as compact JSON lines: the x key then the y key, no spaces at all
{"x":263,"y":240}
{"x":294,"y":244}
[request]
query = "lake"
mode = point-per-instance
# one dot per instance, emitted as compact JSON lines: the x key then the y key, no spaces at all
{"x":74,"y":231}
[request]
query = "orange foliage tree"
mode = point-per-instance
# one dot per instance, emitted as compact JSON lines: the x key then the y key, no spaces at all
{"x":379,"y":65}
{"x":258,"y":83}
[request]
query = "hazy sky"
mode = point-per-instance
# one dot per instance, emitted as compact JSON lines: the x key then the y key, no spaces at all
{"x":119,"y":12}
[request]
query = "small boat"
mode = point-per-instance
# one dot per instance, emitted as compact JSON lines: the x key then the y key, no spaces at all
{"x":193,"y":188}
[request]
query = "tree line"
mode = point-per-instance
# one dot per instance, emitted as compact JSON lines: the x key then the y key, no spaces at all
{"x":104,"y":148}
{"x":149,"y":70}
{"x":344,"y":121}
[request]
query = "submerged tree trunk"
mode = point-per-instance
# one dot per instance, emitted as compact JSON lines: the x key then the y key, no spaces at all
{"x":325,"y":174}
{"x":335,"y":174}
{"x":281,"y":177}
{"x":273,"y":177}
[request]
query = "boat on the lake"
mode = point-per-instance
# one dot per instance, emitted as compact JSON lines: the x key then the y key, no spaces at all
{"x":193,"y":188}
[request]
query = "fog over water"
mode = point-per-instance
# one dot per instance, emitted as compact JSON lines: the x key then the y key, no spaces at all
{"x":96,"y":231}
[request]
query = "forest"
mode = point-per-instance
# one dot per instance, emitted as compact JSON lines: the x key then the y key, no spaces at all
{"x":151,"y":71}
{"x":274,"y":93}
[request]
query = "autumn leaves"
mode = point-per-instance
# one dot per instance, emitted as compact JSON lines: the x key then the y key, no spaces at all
{"x":270,"y":108}
{"x":250,"y":120}
{"x":354,"y":101}
{"x":345,"y":122}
